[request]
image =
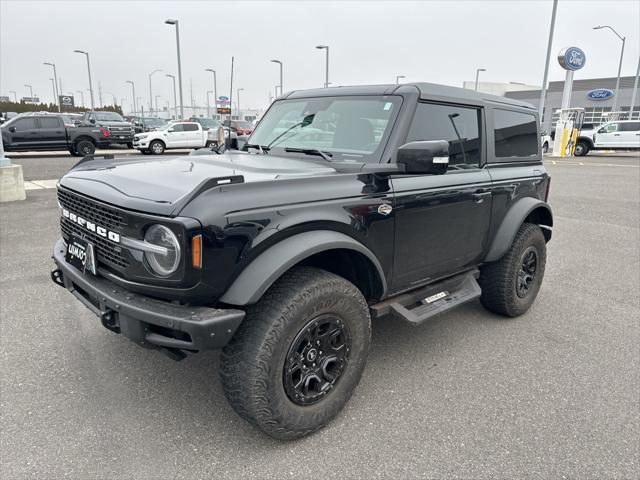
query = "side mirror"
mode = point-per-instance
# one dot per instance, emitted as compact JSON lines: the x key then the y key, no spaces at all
{"x":12,"y":129}
{"x":601,"y":130}
{"x":92,"y":120}
{"x":424,"y":157}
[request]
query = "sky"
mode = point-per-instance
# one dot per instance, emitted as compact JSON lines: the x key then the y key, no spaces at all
{"x":370,"y":42}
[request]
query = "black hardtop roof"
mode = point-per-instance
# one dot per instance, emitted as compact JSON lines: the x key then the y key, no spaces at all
{"x":432,"y":91}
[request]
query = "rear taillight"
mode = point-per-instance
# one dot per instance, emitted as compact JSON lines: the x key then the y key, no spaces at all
{"x":546,"y":193}
{"x":106,"y":133}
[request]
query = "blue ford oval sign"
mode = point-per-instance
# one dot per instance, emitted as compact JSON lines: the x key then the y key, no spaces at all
{"x":572,"y":58}
{"x":600,"y":94}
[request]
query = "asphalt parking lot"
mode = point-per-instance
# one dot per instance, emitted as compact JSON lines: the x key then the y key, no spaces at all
{"x":552,"y":394}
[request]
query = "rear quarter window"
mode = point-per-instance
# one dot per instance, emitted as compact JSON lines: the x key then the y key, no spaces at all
{"x":515,"y":134}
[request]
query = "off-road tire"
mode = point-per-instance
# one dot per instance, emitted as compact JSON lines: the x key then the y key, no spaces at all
{"x":85,"y":147}
{"x":157,"y":147}
{"x":253,"y":363}
{"x":581,"y":149}
{"x":209,"y":144}
{"x":130,"y":145}
{"x":499,"y":279}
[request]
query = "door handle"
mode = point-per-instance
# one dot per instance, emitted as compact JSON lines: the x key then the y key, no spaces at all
{"x":479,"y":195}
{"x":616,"y":134}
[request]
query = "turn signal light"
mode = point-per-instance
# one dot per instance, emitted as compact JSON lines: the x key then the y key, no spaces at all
{"x":196,"y":252}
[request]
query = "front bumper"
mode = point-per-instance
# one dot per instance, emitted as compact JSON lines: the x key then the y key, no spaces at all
{"x":149,"y":322}
{"x":141,"y":143}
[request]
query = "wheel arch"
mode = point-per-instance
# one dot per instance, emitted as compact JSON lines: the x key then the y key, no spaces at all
{"x":525,"y":210}
{"x":329,"y":250}
{"x":82,"y":138}
{"x":587,"y":140}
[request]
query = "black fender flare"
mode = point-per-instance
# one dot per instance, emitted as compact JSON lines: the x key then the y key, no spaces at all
{"x":587,"y":140}
{"x":512,"y":221}
{"x":271,"y":264}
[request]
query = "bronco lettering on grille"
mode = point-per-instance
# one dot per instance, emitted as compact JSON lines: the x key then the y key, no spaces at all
{"x":92,"y":227}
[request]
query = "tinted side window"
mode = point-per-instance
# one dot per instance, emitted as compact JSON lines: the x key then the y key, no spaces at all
{"x":178,"y":128}
{"x":515,"y":134}
{"x":190,"y":127}
{"x":441,"y":122}
{"x":630,"y":127}
{"x":49,"y":122}
{"x":25,"y":124}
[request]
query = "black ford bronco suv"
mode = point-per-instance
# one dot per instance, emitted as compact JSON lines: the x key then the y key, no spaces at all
{"x":346,"y":204}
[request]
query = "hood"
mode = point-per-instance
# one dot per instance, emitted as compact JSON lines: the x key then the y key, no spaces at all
{"x":163,"y":186}
{"x":112,"y":123}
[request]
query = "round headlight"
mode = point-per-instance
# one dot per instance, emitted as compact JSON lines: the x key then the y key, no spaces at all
{"x":166,"y":262}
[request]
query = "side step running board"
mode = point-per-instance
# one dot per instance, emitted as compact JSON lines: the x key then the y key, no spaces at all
{"x":420,"y":305}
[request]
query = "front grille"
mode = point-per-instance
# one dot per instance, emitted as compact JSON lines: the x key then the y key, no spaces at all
{"x":107,"y":251}
{"x":121,"y":130}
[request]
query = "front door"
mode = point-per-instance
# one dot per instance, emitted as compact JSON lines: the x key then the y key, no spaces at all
{"x":175,"y":136}
{"x":193,"y":135}
{"x":25,"y":134}
{"x":442,"y":221}
{"x":609,"y":136}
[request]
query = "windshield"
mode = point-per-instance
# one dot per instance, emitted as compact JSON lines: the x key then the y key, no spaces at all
{"x":108,"y":117}
{"x":351,"y":127}
{"x":208,"y":122}
{"x":154,"y":122}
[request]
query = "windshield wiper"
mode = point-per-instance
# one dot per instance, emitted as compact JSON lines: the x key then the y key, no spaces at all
{"x":311,"y":151}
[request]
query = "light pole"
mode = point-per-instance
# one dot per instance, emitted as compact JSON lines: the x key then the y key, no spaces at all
{"x":208,"y":103}
{"x":157,"y":105}
{"x":175,"y":22}
{"x":615,"y":99}
{"x":150,"y":93}
{"x":30,"y":89}
{"x":238,"y":103}
{"x":15,"y":96}
{"x":215,"y":91}
{"x":55,"y":84}
{"x":88,"y":70}
{"x":279,"y":63}
{"x":635,"y":92}
{"x":81,"y":96}
{"x":175,"y":102}
{"x":115,"y":102}
{"x":543,"y":90}
{"x":326,"y":81}
{"x":53,"y":88}
{"x":133,"y":94}
{"x":398,"y":77}
{"x":478,"y":70}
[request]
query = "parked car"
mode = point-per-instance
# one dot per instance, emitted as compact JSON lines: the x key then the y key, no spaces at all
{"x":616,"y":135}
{"x":52,"y":132}
{"x":239,"y":126}
{"x":545,"y":142}
{"x":174,"y":135}
{"x":282,"y":253}
{"x":5,"y":116}
{"x":121,"y":131}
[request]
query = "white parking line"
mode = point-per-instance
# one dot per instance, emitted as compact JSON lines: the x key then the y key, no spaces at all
{"x":40,"y":184}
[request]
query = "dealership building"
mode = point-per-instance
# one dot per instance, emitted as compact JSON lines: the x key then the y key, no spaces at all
{"x":588,"y":94}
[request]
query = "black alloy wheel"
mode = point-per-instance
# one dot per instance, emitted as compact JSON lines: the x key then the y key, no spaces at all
{"x":316,"y":359}
{"x":527,"y":272}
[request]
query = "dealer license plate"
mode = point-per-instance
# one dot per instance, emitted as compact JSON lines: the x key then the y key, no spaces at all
{"x":80,"y":254}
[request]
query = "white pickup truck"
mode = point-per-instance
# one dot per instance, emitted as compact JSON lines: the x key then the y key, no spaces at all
{"x":615,"y":135}
{"x":175,"y":135}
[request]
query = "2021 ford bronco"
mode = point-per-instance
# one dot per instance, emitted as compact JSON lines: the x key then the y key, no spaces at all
{"x":346,"y":204}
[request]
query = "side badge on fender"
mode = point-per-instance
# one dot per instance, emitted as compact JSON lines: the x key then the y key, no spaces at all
{"x":385,"y":209}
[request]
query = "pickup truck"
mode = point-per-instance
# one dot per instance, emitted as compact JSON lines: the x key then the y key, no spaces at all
{"x":615,"y":135}
{"x":174,"y":135}
{"x":346,"y":204}
{"x":52,"y":132}
{"x":120,"y":131}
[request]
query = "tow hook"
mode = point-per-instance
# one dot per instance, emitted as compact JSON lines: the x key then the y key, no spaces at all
{"x":56,"y":276}
{"x":110,"y":321}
